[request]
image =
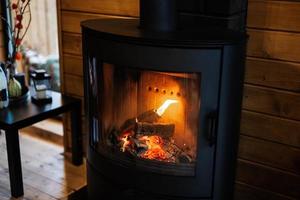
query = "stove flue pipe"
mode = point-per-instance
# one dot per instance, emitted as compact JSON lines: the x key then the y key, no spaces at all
{"x":158,"y":15}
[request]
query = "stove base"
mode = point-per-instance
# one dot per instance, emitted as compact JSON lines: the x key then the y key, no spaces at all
{"x":100,"y":188}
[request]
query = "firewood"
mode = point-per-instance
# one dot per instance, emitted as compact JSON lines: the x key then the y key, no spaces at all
{"x":165,"y":130}
{"x":149,"y":116}
{"x":129,"y":124}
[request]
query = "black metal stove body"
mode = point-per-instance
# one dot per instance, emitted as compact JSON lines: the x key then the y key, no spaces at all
{"x":215,"y":57}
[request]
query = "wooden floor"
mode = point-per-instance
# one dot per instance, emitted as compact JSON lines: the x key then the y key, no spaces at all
{"x":47,"y":174}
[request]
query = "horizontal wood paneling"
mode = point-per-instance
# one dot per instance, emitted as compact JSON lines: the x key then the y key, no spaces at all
{"x":271,"y":128}
{"x":73,"y":85}
{"x":268,"y":178}
{"x":276,"y":135}
{"x":271,"y":101}
{"x":274,"y":44}
{"x":73,"y":64}
{"x":279,"y":15}
{"x":277,"y":74}
{"x":72,"y":44}
{"x":115,"y":7}
{"x":282,"y":156}
{"x":248,"y":192}
{"x":270,"y":114}
{"x":71,"y":20}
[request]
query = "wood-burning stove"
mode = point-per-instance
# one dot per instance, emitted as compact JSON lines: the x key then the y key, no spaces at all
{"x":163,"y":108}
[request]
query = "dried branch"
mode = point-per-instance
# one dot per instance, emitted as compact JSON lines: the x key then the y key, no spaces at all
{"x":29,"y":22}
{"x":17,"y":30}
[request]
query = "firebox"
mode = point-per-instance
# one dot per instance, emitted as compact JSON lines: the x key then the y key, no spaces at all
{"x":152,"y":117}
{"x":163,"y":109}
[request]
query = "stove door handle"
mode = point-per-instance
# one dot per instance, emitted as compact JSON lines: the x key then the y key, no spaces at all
{"x":212,"y":127}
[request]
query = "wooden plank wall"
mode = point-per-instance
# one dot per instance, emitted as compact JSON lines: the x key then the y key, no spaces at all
{"x":71,"y":12}
{"x":269,"y":156}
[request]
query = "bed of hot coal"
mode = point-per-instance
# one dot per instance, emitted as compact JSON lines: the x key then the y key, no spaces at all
{"x":147,"y":138}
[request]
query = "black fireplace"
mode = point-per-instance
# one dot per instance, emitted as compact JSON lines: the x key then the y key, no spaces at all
{"x":163,"y":106}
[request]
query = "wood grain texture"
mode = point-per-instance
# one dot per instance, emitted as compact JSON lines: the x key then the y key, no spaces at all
{"x":271,"y":73}
{"x":270,"y":128}
{"x":116,"y":7}
{"x":279,"y":15}
{"x":274,"y":45}
{"x":73,"y":85}
{"x":73,"y":64}
{"x":72,"y":44}
{"x":46,"y":173}
{"x":59,"y":29}
{"x":283,"y":157}
{"x":270,"y":101}
{"x":71,"y":20}
{"x":248,"y":192}
{"x":268,"y":178}
{"x":31,"y":193}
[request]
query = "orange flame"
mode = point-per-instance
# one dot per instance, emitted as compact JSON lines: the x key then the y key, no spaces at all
{"x":126,"y":142}
{"x":161,"y":110}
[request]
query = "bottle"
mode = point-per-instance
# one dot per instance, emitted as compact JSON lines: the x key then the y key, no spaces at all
{"x":3,"y":90}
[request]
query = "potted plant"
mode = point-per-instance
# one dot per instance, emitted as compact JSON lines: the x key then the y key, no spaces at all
{"x":16,"y":30}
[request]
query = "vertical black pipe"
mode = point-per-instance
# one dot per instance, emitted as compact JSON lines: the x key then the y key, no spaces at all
{"x":158,"y":15}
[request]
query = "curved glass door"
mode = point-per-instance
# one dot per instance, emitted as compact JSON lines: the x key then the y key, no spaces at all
{"x":149,"y":119}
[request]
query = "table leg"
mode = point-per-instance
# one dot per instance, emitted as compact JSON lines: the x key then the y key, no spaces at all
{"x":14,"y":162}
{"x":76,"y":134}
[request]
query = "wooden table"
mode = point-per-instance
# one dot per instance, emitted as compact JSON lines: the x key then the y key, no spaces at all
{"x":19,"y":116}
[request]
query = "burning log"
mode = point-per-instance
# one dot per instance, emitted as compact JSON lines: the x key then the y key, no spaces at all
{"x":149,"y":116}
{"x":128,"y":125}
{"x":163,"y":130}
{"x":145,"y":137}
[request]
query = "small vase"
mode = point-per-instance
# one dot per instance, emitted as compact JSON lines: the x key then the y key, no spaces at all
{"x":4,"y":100}
{"x":14,"y":87}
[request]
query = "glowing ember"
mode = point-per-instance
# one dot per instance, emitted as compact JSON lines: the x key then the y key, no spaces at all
{"x":148,"y":138}
{"x":161,"y":110}
{"x":126,"y":141}
{"x":155,"y":150}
